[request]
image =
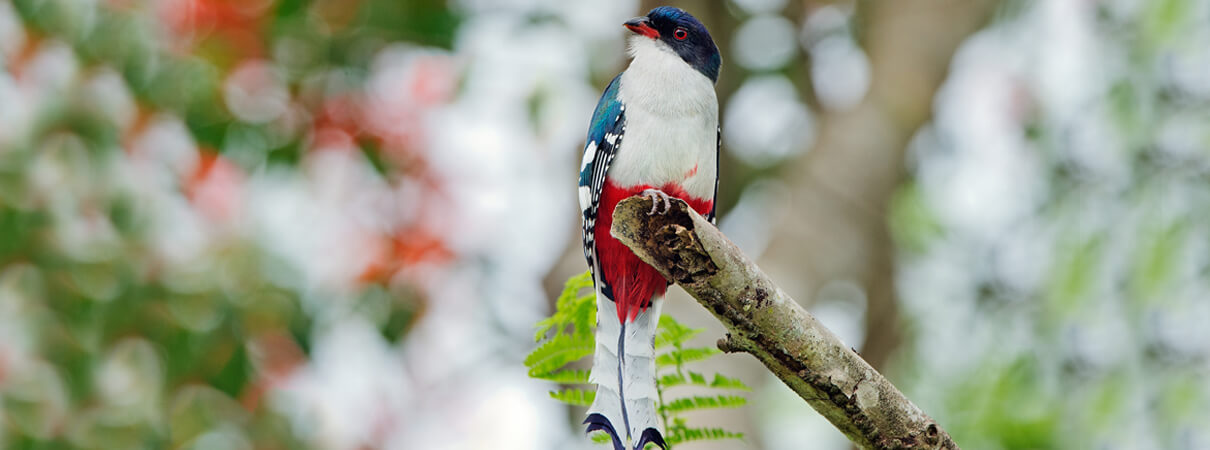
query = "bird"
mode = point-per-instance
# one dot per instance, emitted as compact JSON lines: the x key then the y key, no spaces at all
{"x":655,"y":133}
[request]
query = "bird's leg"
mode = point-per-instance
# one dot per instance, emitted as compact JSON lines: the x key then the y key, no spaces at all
{"x":655,"y":195}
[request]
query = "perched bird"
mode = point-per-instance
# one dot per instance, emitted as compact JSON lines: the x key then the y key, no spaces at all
{"x":654,"y":133}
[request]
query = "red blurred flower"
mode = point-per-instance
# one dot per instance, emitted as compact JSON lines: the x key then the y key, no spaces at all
{"x":236,"y":23}
{"x":215,"y":187}
{"x":337,"y":123}
{"x":409,"y":247}
{"x":277,"y":355}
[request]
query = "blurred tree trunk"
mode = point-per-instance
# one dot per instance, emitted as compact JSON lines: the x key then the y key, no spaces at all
{"x":840,"y":190}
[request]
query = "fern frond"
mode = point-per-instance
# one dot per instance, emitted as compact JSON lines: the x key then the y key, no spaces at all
{"x":684,"y":434}
{"x":670,"y":380}
{"x":681,"y":356}
{"x":577,"y":397}
{"x":567,"y":336}
{"x":673,"y":333}
{"x":697,"y":379}
{"x":564,"y":376}
{"x":721,"y":382}
{"x":558,"y":352}
{"x":697,"y":402}
{"x":571,"y":309}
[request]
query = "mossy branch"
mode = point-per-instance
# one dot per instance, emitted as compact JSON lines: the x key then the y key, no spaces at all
{"x":764,"y":321}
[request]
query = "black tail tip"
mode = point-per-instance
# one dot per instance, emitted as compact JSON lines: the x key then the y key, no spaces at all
{"x":651,"y":436}
{"x":598,"y":421}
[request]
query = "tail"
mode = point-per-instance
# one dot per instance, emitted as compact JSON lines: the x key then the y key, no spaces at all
{"x":623,"y":368}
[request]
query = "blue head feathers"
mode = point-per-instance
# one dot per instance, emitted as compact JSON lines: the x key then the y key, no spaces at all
{"x":684,"y":34}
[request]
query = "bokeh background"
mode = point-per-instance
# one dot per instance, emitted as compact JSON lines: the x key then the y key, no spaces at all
{"x":237,"y":224}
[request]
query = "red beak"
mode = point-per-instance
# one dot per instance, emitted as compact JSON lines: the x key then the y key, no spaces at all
{"x":641,"y":26}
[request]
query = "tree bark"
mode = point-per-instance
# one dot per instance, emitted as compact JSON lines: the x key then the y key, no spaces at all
{"x":764,"y":321}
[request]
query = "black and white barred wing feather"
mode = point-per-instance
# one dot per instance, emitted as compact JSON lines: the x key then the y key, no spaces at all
{"x":604,"y":137}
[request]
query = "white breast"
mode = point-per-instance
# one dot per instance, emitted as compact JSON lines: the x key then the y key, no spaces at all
{"x":671,"y":122}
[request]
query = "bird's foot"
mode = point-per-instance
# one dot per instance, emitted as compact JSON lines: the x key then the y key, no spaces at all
{"x":656,"y":195}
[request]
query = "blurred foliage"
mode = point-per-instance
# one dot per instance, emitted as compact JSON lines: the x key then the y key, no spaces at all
{"x":305,"y":36}
{"x":108,"y":342}
{"x":567,"y":337}
{"x":1077,"y":320}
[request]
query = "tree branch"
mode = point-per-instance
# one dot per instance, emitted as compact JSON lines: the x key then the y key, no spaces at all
{"x":764,"y":321}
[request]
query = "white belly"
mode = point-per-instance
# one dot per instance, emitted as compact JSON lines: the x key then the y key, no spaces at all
{"x":671,"y":123}
{"x":657,"y":151}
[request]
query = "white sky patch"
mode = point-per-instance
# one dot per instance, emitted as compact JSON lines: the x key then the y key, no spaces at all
{"x":354,"y":388}
{"x":594,"y":20}
{"x":840,"y":72}
{"x":978,"y":114}
{"x":788,"y":423}
{"x":823,"y":22}
{"x":327,"y":223}
{"x":760,"y":6}
{"x":749,"y":223}
{"x":765,"y":122}
{"x":1070,"y":69}
{"x":1187,"y":65}
{"x":494,"y":409}
{"x":166,"y":143}
{"x":764,"y":42}
{"x":20,"y":296}
{"x":1097,"y":145}
{"x":256,"y":92}
{"x":1183,"y":135}
{"x":841,"y":306}
{"x":12,"y":33}
{"x":14,"y":118}
{"x":107,"y":93}
{"x":51,"y":71}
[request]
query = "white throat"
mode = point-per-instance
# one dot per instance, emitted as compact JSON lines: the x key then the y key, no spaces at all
{"x":660,"y":81}
{"x":671,"y":122}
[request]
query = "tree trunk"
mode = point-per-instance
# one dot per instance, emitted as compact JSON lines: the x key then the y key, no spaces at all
{"x":840,"y":190}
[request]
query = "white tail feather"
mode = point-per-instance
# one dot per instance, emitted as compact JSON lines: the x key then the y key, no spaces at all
{"x":637,"y":371}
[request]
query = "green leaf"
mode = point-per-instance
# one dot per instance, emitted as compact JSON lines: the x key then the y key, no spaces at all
{"x":557,"y":352}
{"x":565,"y":346}
{"x":684,"y":434}
{"x":670,"y":380}
{"x":913,"y":224}
{"x":721,"y":382}
{"x":685,"y":355}
{"x":672,"y":333}
{"x":577,"y":397}
{"x":564,"y":376}
{"x":571,"y":309}
{"x":696,"y":379}
{"x":696,"y":402}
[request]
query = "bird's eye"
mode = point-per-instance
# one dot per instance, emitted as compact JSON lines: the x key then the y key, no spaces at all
{"x":680,"y":34}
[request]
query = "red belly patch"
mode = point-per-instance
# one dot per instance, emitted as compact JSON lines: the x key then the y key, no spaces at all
{"x":632,"y":281}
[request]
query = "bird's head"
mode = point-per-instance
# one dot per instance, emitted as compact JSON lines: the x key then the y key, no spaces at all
{"x":677,"y":31}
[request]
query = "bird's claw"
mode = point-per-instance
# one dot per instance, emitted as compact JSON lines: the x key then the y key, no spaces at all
{"x":655,"y":195}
